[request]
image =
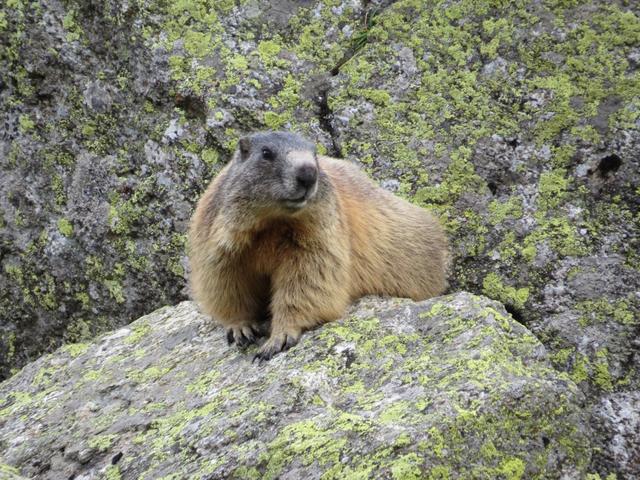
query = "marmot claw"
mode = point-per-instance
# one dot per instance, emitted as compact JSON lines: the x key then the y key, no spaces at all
{"x":242,"y":336}
{"x":275,"y":344}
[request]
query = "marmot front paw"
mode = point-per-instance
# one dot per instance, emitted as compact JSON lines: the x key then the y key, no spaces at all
{"x":243,"y":336}
{"x":277,"y":342}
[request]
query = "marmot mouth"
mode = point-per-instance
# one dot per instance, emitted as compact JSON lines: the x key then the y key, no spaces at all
{"x":301,"y":198}
{"x":296,"y":202}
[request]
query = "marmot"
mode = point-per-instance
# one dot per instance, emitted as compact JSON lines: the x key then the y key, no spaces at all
{"x":286,"y":238}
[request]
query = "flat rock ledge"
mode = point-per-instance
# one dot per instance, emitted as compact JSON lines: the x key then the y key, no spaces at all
{"x":451,"y":387}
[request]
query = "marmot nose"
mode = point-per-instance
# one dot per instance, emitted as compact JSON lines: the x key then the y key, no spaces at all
{"x":306,"y":176}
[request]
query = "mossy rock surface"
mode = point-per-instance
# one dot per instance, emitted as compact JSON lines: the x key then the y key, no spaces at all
{"x":519,"y":126}
{"x":517,"y":122}
{"x":115,"y":117}
{"x":447,"y":388}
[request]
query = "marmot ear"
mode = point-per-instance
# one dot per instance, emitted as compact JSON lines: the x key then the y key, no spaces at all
{"x":244,"y":145}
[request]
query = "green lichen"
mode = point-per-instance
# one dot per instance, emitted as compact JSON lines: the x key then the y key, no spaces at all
{"x":14,"y":401}
{"x":602,"y":376}
{"x":436,"y":442}
{"x":75,"y":349}
{"x":26,"y":124}
{"x":57,"y":185}
{"x":512,"y":468}
{"x":65,"y":227}
{"x":177,"y":243}
{"x":248,"y":473}
{"x":113,"y":472}
{"x":493,"y":287}
{"x":622,"y":311}
{"x":596,"y":476}
{"x":268,"y":51}
{"x":580,"y":371}
{"x":274,"y":121}
{"x":394,"y":413}
{"x":552,"y":188}
{"x":500,"y":31}
{"x":10,"y":345}
{"x":305,"y":440}
{"x":561,"y":356}
{"x":378,"y":97}
{"x":83,"y":298}
{"x":238,"y":63}
{"x":197,"y":44}
{"x":123,"y":214}
{"x":205,"y":382}
{"x":459,"y":178}
{"x":312,"y":25}
{"x":44,"y":377}
{"x":561,"y":236}
{"x":4,"y":468}
{"x":210,"y":157}
{"x":92,"y":375}
{"x":139,"y":331}
{"x":102,"y":442}
{"x":284,"y":104}
{"x":88,"y":130}
{"x":167,"y":430}
{"x":148,"y":375}
{"x":439,"y":472}
{"x":70,"y":24}
{"x":500,"y":211}
{"x":407,"y":467}
{"x":79,"y":330}
{"x":115,"y":290}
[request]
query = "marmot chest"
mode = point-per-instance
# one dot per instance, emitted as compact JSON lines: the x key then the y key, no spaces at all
{"x":272,"y":245}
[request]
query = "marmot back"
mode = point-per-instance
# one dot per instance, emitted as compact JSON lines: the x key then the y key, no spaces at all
{"x":283,"y":240}
{"x":401,"y":249}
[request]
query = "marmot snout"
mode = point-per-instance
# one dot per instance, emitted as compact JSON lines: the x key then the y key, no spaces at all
{"x":287,"y":235}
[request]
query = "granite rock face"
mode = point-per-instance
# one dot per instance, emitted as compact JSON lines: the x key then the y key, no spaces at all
{"x":438,"y":389}
{"x":616,"y":423}
{"x":115,"y":117}
{"x":519,"y":126}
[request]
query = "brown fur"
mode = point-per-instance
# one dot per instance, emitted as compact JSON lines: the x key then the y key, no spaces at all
{"x":304,"y":268}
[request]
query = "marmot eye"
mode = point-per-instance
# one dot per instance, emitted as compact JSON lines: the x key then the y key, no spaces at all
{"x":267,"y":154}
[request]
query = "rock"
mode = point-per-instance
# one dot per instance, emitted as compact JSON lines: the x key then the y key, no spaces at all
{"x":447,"y":387}
{"x":519,"y":127}
{"x":115,"y":117}
{"x":616,"y":422}
{"x":9,"y":473}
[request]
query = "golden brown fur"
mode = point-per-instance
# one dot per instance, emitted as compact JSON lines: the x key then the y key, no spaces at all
{"x":305,"y":267}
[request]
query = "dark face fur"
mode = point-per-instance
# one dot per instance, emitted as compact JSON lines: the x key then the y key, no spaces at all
{"x":278,"y":169}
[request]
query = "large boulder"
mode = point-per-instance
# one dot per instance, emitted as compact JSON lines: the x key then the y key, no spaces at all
{"x":520,"y":126}
{"x":451,"y":387}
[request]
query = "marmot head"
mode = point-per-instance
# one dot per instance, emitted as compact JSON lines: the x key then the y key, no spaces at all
{"x":278,"y":169}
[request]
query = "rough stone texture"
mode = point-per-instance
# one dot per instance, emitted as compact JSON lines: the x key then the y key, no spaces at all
{"x":447,"y":388}
{"x":9,"y":473}
{"x":115,"y":116}
{"x":616,"y":422}
{"x":519,"y":124}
